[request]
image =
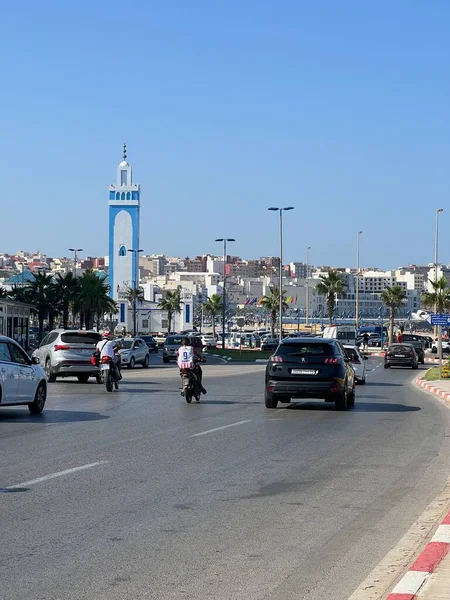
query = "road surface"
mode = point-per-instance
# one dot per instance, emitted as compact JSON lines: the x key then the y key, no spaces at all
{"x":137,"y":495}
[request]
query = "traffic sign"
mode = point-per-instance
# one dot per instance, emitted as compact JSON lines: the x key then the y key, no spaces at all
{"x":240,"y":322}
{"x":436,"y":319}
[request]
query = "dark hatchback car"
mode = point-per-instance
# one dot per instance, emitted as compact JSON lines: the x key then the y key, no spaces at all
{"x":420,"y":350}
{"x":310,"y":368}
{"x":152,"y":344}
{"x":401,"y":355}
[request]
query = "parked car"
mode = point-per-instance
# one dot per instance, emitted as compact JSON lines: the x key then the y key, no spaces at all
{"x":173,"y":342}
{"x":208,"y":341}
{"x":67,"y":353}
{"x":401,"y":355}
{"x":310,"y":368}
{"x":269,"y":344}
{"x":160,"y":339}
{"x":445,"y":346}
{"x":134,"y":351}
{"x":358,"y":364}
{"x":152,"y":344}
{"x":22,"y":379}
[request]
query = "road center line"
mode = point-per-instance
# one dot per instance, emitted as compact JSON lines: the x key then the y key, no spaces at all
{"x":220,"y":428}
{"x":57,"y":474}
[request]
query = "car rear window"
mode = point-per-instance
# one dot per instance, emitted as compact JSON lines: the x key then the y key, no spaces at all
{"x":346,"y":335}
{"x":75,"y":337}
{"x":305,"y":349}
{"x":351,"y":353}
{"x":174,"y":340}
{"x":400,"y":348}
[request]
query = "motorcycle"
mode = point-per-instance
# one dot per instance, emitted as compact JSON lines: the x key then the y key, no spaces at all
{"x":190,"y":383}
{"x":108,"y":372}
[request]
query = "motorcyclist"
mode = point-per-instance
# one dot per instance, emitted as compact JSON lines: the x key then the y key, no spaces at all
{"x":188,"y":357}
{"x":107,"y":346}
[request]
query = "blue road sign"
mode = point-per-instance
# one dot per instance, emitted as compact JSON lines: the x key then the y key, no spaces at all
{"x":440,"y":319}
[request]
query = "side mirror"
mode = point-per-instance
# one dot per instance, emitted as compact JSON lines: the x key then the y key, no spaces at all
{"x":35,"y":360}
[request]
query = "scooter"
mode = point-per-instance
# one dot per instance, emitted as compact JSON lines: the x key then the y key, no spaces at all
{"x":190,"y":384}
{"x":108,"y":372}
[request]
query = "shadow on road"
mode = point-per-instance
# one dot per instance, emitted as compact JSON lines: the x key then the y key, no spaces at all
{"x":49,"y":416}
{"x":359,"y":407}
{"x":383,"y":384}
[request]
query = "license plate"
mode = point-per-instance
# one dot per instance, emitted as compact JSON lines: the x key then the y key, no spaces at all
{"x":304,"y":372}
{"x":105,"y":367}
{"x":400,"y":356}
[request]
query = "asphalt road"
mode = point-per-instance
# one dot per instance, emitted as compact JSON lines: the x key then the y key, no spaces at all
{"x":137,"y":495}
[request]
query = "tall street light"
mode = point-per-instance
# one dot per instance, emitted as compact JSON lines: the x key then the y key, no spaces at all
{"x":280,"y":210}
{"x":357,"y":281}
{"x":436,"y":252}
{"x":307,"y":286}
{"x":136,"y":284}
{"x":224,"y":240}
{"x":75,"y":258}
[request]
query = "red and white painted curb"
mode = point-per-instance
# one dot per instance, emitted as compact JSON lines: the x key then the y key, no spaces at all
{"x":427,"y":562}
{"x":429,"y":387}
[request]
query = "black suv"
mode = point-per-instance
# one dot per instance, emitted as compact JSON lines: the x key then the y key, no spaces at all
{"x":310,"y":368}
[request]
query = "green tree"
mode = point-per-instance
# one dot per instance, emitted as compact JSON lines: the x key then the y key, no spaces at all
{"x":3,"y":293}
{"x":393,"y":297}
{"x":40,"y":294}
{"x":172,"y":304}
{"x":133,"y":293}
{"x":19,"y":293}
{"x":271,"y":303}
{"x":331,"y":286}
{"x":213,"y":307}
{"x":93,"y":299}
{"x":439,"y":298}
{"x":67,"y":291}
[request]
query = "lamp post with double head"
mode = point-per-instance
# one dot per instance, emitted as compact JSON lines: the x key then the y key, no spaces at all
{"x":357,"y":283}
{"x":224,"y":241}
{"x":307,"y":287}
{"x":135,"y":252}
{"x":439,"y":211}
{"x":75,"y":258}
{"x":280,"y":308}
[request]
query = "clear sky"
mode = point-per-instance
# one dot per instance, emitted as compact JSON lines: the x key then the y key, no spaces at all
{"x":341,"y":109}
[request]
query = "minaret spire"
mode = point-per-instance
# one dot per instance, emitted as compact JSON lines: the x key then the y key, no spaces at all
{"x":124,"y":151}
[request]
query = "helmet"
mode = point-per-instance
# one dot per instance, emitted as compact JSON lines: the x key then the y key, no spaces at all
{"x":106,"y":335}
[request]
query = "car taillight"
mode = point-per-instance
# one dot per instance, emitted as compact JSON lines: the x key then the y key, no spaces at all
{"x":61,"y":347}
{"x":277,"y":359}
{"x":331,"y":361}
{"x":411,"y":353}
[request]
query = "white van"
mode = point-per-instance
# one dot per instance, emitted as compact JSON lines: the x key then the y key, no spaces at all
{"x":346,"y":334}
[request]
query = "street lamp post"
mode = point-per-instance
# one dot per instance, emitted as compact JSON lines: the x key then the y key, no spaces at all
{"x":136,"y":284}
{"x":357,"y":282}
{"x":436,"y":252}
{"x":75,"y":258}
{"x":280,"y":210}
{"x":224,"y":240}
{"x":307,"y":286}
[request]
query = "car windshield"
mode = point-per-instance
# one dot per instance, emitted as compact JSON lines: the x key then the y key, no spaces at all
{"x":305,"y":349}
{"x":75,"y":337}
{"x":127,"y":344}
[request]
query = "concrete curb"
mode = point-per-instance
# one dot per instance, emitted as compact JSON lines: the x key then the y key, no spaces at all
{"x":429,"y":387}
{"x":437,"y":548}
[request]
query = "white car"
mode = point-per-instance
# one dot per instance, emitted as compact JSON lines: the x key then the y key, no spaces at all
{"x":358,"y":364}
{"x":445,"y":346}
{"x":22,"y":380}
{"x":208,"y":341}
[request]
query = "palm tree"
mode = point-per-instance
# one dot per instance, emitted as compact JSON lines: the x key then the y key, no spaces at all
{"x":93,"y":299}
{"x":271,"y":302}
{"x":67,"y":290}
{"x":393,"y":297}
{"x":3,"y":293}
{"x":133,"y":293}
{"x":213,"y":306}
{"x":331,"y":286}
{"x":172,"y":304}
{"x":40,"y":293}
{"x":439,"y":298}
{"x":19,"y":293}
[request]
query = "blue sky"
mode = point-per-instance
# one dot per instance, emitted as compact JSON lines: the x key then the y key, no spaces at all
{"x":341,"y":109}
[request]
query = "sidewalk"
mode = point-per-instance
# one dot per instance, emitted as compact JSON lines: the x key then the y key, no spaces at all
{"x":429,"y":577}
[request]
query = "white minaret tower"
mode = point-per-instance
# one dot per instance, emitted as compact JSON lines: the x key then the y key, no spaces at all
{"x":124,"y":204}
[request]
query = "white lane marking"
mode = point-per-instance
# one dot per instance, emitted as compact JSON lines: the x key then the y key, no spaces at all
{"x":410,"y":583}
{"x":220,"y":428}
{"x":442,"y":534}
{"x":57,"y":474}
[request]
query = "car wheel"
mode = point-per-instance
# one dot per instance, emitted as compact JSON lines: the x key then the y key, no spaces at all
{"x":434,"y":350}
{"x":98,"y":379}
{"x":340,"y":402}
{"x":386,"y":365}
{"x":51,"y":377}
{"x":362,"y":381}
{"x":146,"y":361}
{"x":131,"y":363}
{"x":270,"y":400}
{"x":165,"y":360}
{"x":83,"y":378}
{"x":415,"y":367}
{"x":37,"y":406}
{"x":351,"y":397}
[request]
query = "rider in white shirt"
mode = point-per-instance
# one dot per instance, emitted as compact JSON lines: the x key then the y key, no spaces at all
{"x":106,"y":347}
{"x":187,"y":358}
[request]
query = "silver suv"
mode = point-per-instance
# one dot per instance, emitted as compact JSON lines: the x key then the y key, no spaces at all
{"x":133,"y":351}
{"x":66,"y":353}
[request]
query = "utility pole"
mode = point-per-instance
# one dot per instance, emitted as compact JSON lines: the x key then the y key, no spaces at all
{"x":224,"y":240}
{"x":135,"y":253}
